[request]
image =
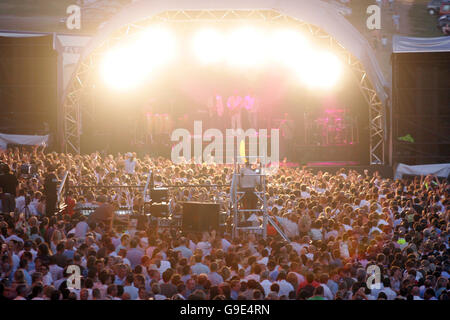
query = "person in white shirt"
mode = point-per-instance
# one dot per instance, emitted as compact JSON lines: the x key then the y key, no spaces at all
{"x":81,"y":228}
{"x":204,"y":245}
{"x":390,"y":294}
{"x":130,"y":163}
{"x":304,"y":191}
{"x":130,"y":288}
{"x":47,"y":279}
{"x":20,"y":201}
{"x":225,"y":244}
{"x":316,"y":231}
{"x":235,"y":104}
{"x":21,"y":292}
{"x":55,"y":271}
{"x":264,"y":258}
{"x":326,"y":290}
{"x":415,"y":293}
{"x":285,"y":287}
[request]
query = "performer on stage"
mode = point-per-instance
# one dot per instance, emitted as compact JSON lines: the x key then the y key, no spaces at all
{"x":250,"y":104}
{"x":220,"y":112}
{"x":211,"y":106}
{"x":287,"y":134}
{"x":234,"y":104}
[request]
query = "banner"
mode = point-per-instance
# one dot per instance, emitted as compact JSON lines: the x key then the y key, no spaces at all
{"x":6,"y":139}
{"x":440,"y":170}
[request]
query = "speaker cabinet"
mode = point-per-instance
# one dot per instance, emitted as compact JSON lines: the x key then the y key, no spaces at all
{"x":160,"y":194}
{"x":200,"y":216}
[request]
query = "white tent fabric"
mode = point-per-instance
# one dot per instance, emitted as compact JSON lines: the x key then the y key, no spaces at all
{"x":315,"y":12}
{"x":69,"y":48}
{"x":6,"y":139}
{"x":409,"y":44}
{"x":13,"y":34}
{"x":440,"y":170}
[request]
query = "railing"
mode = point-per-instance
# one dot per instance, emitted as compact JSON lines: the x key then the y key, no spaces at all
{"x":61,"y":203}
{"x":61,"y":186}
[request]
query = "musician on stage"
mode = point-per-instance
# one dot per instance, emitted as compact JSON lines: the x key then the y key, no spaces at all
{"x":234,"y":104}
{"x":287,"y":134}
{"x":251,"y":106}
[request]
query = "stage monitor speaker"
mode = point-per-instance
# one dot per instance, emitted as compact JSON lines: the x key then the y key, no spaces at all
{"x":160,"y":194}
{"x":159,"y":210}
{"x":142,"y":221}
{"x":200,"y":216}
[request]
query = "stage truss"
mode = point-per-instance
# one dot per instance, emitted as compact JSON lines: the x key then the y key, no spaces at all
{"x":78,"y":102}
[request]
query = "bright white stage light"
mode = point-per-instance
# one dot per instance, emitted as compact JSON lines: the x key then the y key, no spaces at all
{"x":321,"y":70}
{"x":245,"y":47}
{"x":120,"y":69}
{"x":288,"y":47}
{"x":125,"y":67}
{"x":208,"y":46}
{"x":156,"y":47}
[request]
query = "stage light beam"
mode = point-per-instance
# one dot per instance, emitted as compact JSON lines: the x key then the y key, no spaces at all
{"x":245,"y":47}
{"x":288,"y":47}
{"x":156,"y":47}
{"x":322,"y":70}
{"x":127,"y":66}
{"x":120,"y":69}
{"x":208,"y":46}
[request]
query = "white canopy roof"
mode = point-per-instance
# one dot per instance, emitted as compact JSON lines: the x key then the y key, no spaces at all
{"x":409,"y":44}
{"x":314,"y":12}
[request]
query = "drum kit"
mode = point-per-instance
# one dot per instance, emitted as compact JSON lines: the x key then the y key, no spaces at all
{"x":334,"y":127}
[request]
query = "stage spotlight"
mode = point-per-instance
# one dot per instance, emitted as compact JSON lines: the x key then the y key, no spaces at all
{"x":321,"y":70}
{"x":288,"y":47}
{"x":127,"y":66}
{"x":121,"y":69}
{"x":208,"y":46}
{"x":245,"y":47}
{"x":155,"y":47}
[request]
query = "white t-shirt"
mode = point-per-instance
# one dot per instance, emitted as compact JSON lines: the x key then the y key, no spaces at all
{"x":285,"y":288}
{"x":316,"y":234}
{"x":305,"y":194}
{"x":266,"y":284}
{"x":56,"y":272}
{"x":375,"y":229}
{"x":20,"y":203}
{"x":263,"y":261}
{"x":164,"y":266}
{"x":81,"y":229}
{"x":130,"y":164}
{"x":225,"y":245}
{"x":347,"y":227}
{"x":327,"y":292}
{"x":205,"y":246}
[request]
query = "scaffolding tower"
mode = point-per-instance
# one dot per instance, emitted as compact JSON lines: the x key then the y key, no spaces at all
{"x":236,"y":195}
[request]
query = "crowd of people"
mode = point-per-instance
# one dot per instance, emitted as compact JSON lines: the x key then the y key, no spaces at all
{"x":352,"y":235}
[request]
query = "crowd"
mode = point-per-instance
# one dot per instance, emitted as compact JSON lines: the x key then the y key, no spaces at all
{"x":353,"y":236}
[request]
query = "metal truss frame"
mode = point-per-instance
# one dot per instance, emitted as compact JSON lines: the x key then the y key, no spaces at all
{"x":82,"y":79}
